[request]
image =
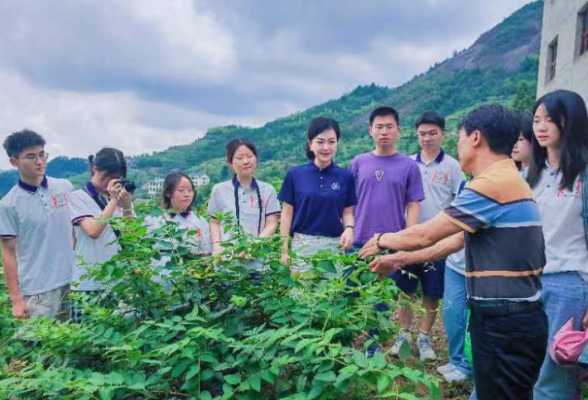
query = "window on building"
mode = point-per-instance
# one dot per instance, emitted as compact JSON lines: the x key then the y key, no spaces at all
{"x":584,"y":31}
{"x":551,"y":60}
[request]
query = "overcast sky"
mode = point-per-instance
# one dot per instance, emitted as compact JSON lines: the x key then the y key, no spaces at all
{"x":143,"y":75}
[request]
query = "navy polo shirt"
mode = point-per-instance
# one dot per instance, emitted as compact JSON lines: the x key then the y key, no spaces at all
{"x":319,"y":197}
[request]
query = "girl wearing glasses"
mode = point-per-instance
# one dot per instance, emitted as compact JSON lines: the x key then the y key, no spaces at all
{"x":177,"y":199}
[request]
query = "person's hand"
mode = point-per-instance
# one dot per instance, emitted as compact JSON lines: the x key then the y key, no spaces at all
{"x":585,"y":321}
{"x":126,"y":199}
{"x":285,"y":259}
{"x":114,"y":188}
{"x":20,"y":309}
{"x":389,"y":264}
{"x":346,"y":239}
{"x":371,"y":248}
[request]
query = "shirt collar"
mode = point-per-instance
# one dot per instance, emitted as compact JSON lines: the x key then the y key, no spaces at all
{"x":33,"y":189}
{"x":184,"y":214}
{"x":236,"y":182}
{"x":316,"y":168}
{"x":92,"y":189}
{"x":438,"y":159}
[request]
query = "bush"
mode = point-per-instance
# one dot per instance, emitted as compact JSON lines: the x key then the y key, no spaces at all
{"x":209,"y":329}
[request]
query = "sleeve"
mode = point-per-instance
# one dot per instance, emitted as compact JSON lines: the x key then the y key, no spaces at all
{"x":214,"y":205}
{"x":287,"y":192}
{"x":458,"y":177}
{"x":272,"y":205}
{"x":79,"y":207}
{"x":351,"y":199}
{"x":414,"y":186}
{"x":475,"y":207}
{"x":69,"y":186}
{"x":8,"y":222}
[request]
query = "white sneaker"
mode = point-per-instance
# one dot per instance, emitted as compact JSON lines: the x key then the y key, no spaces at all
{"x":426,"y":352}
{"x":404,"y":337}
{"x":455,"y":376}
{"x":447,"y":368}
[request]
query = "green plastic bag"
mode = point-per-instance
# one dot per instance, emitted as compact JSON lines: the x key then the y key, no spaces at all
{"x":467,"y":344}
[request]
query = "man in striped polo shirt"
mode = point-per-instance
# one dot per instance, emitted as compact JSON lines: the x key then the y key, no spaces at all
{"x":504,"y":256}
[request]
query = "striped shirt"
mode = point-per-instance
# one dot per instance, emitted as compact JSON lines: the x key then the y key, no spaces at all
{"x":505,"y":249}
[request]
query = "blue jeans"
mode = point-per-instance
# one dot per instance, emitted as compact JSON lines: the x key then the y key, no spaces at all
{"x":455,"y":319}
{"x":565,"y":295}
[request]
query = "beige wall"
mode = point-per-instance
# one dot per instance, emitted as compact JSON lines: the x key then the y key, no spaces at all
{"x":560,"y":18}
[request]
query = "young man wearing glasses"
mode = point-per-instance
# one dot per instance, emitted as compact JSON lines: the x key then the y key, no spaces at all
{"x":36,"y":232}
{"x":388,"y":183}
{"x":442,"y":177}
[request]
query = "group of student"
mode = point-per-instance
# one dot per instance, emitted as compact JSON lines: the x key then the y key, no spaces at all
{"x":522,"y":218}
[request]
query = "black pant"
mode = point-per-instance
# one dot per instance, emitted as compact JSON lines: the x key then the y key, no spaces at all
{"x":508,"y":351}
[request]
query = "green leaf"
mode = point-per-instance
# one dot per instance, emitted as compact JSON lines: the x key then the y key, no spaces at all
{"x":360,"y":359}
{"x":404,"y":351}
{"x":383,"y":383}
{"x":350,"y":369}
{"x":255,"y":383}
{"x":105,"y":394}
{"x":408,"y":396}
{"x":194,"y":370}
{"x":233,"y":379}
{"x":317,"y":390}
{"x":205,"y":395}
{"x":328,"y":376}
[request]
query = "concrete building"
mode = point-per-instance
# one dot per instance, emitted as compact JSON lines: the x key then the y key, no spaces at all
{"x":564,"y":47}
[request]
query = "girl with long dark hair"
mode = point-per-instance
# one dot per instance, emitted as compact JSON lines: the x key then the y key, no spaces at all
{"x":557,"y":175}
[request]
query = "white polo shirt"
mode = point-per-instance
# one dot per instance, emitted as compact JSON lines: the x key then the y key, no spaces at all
{"x":39,"y":219}
{"x":90,"y":251}
{"x":563,"y":227}
{"x":226,"y":195}
{"x":442,"y":178}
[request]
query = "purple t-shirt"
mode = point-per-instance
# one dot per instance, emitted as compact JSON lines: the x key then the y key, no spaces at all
{"x":384,"y":184}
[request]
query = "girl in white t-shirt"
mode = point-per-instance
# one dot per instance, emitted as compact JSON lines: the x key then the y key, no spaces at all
{"x":103,"y":197}
{"x":556,"y":172}
{"x":177,"y":199}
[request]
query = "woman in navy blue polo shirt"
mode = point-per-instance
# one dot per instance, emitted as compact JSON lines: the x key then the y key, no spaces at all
{"x":317,"y":197}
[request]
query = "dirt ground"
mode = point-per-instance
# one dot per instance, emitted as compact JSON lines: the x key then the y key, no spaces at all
{"x":451,"y":391}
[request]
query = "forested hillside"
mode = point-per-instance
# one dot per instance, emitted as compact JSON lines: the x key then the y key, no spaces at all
{"x":501,"y":66}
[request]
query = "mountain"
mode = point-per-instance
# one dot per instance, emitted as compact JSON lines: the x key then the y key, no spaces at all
{"x":493,"y":69}
{"x":501,"y":66}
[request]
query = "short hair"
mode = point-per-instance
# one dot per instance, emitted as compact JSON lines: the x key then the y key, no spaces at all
{"x":234,"y":145}
{"x":17,"y":142}
{"x":384,"y":112}
{"x":109,"y":160}
{"x":498,"y":125}
{"x":315,"y":128}
{"x":170,"y":184}
{"x":430,"y":117}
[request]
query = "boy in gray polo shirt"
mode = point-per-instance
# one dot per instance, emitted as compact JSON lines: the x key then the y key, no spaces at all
{"x":36,"y":232}
{"x":441,"y":177}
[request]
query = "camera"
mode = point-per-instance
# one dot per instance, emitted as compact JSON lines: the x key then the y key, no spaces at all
{"x":128,"y":185}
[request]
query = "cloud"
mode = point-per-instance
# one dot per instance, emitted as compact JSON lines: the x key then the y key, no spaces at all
{"x":147,"y":74}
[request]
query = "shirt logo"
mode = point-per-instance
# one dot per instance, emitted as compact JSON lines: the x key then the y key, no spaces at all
{"x":335,"y":186}
{"x":59,"y":200}
{"x":440,"y":177}
{"x":253,"y":201}
{"x":379,"y":175}
{"x":566,"y":194}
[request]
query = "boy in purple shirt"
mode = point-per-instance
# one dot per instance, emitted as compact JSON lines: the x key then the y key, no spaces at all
{"x":389,"y":186}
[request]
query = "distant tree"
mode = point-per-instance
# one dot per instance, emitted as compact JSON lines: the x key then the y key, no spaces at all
{"x":524,"y":98}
